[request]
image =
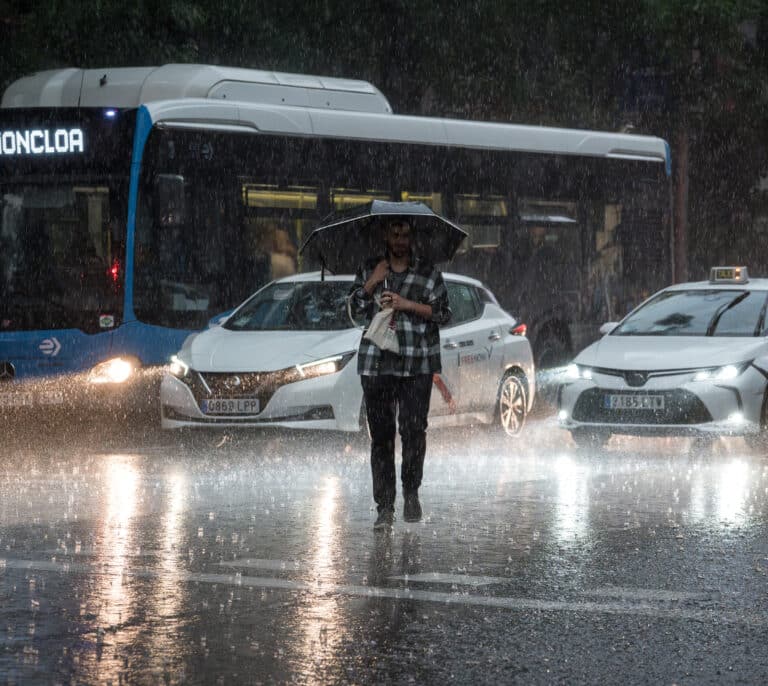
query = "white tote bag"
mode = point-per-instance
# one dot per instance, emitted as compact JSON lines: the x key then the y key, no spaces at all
{"x":382,"y":332}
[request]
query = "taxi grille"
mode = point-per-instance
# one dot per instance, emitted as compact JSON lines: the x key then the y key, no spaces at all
{"x":680,"y":407}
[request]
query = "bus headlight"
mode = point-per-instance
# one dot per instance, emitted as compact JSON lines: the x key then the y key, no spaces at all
{"x":116,"y":370}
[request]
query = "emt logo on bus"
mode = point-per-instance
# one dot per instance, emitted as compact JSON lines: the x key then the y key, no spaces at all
{"x":41,"y":141}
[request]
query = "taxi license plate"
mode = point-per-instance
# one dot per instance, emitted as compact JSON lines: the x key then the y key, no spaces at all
{"x":634,"y":402}
{"x":231,"y":406}
{"x":31,"y":399}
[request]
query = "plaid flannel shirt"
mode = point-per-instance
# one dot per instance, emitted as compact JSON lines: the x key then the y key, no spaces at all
{"x":419,"y":338}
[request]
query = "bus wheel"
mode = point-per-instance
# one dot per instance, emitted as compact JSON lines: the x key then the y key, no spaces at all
{"x":590,"y":439}
{"x":512,"y":405}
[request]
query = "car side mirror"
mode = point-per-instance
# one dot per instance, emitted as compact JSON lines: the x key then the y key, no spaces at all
{"x":608,"y":327}
{"x":219,"y":319}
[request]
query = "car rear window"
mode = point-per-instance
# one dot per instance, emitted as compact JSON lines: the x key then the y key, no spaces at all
{"x":715,"y":312}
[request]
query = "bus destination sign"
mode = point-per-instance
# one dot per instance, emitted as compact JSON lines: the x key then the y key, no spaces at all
{"x":41,"y":142}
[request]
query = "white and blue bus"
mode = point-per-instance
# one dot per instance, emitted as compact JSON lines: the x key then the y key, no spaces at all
{"x":138,"y":203}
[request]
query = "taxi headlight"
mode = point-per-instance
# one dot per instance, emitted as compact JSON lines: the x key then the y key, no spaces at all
{"x":724,"y":373}
{"x":116,"y":370}
{"x":577,"y":371}
{"x":178,"y":367}
{"x":328,"y":365}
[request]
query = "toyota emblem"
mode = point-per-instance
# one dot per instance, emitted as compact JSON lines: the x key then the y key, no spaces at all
{"x":636,"y":379}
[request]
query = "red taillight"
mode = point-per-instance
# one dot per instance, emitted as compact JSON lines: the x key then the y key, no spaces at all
{"x":519,"y":330}
{"x":114,"y":271}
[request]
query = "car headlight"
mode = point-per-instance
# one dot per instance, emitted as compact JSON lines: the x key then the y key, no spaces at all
{"x":577,"y":371}
{"x":724,"y":373}
{"x":178,"y":367}
{"x":116,"y":370}
{"x":328,"y":365}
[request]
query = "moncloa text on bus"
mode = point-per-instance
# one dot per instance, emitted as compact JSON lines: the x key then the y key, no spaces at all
{"x":41,"y":141}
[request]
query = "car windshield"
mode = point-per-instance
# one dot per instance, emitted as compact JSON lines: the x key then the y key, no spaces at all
{"x":295,"y":306}
{"x":698,"y":313}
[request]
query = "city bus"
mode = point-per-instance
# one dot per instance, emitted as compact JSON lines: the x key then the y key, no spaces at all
{"x":139,"y":203}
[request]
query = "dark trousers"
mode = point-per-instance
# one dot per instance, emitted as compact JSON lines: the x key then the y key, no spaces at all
{"x":406,"y":397}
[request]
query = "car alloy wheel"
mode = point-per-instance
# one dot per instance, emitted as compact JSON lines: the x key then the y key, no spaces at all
{"x":513,"y":408}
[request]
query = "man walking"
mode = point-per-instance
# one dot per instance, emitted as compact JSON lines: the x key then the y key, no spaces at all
{"x":397,"y":386}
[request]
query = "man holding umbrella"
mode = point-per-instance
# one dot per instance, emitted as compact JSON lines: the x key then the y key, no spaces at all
{"x":398,"y":385}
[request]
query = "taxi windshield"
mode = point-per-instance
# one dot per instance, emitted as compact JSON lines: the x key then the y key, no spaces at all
{"x":710,"y":312}
{"x":295,"y":306}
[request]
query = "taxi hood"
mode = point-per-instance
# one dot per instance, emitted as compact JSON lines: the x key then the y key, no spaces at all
{"x":650,"y":353}
{"x":221,"y":350}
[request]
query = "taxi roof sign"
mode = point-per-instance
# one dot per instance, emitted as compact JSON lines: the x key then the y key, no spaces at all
{"x":728,"y":275}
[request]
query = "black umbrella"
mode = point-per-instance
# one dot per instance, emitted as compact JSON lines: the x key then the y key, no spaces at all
{"x":345,"y":240}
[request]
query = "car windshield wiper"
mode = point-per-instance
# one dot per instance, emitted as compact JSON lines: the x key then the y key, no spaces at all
{"x":722,"y":310}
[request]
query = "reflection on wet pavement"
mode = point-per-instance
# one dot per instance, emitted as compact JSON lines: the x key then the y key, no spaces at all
{"x":254,"y":559}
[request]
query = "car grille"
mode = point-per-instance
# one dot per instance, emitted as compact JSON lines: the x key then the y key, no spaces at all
{"x":261,"y":385}
{"x":680,"y":407}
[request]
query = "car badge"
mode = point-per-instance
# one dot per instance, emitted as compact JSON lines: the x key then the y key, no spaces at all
{"x":636,"y":378}
{"x":233,"y":382}
{"x":7,"y":371}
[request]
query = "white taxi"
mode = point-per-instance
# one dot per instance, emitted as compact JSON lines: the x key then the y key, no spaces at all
{"x":286,"y":358}
{"x":690,"y":360}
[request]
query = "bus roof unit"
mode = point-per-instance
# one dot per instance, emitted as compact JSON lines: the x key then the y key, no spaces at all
{"x":134,"y":86}
{"x":228,"y":98}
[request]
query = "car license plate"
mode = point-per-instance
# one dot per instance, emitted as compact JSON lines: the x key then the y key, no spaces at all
{"x":231,"y":406}
{"x":634,"y":402}
{"x":30,"y":399}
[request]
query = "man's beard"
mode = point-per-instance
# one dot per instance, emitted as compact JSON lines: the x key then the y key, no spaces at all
{"x":399,"y":253}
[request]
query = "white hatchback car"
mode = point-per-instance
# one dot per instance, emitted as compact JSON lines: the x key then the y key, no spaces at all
{"x":286,"y":357}
{"x":691,"y":360}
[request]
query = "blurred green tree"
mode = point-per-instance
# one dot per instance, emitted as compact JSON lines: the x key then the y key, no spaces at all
{"x":692,"y":71}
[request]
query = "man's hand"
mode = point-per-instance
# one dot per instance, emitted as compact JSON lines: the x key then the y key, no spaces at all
{"x":398,"y":302}
{"x":378,"y":275}
{"x":393,"y":300}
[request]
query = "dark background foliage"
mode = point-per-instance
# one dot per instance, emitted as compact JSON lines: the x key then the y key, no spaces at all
{"x":691,"y":71}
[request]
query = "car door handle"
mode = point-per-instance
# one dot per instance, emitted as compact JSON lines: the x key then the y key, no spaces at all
{"x":494,"y":336}
{"x":451,"y":345}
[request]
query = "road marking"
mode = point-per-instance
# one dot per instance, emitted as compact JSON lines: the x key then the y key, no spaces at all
{"x":457,"y":579}
{"x":272,"y":565}
{"x":656,"y":595}
{"x":423,"y":577}
{"x":709,"y":615}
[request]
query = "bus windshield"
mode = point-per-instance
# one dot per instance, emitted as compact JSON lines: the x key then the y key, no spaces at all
{"x":63,"y":208}
{"x":61,"y":256}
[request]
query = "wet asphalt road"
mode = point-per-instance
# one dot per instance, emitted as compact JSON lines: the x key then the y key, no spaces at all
{"x":133,"y":557}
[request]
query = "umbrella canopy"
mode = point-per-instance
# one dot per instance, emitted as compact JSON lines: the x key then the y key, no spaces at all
{"x":345,"y":240}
